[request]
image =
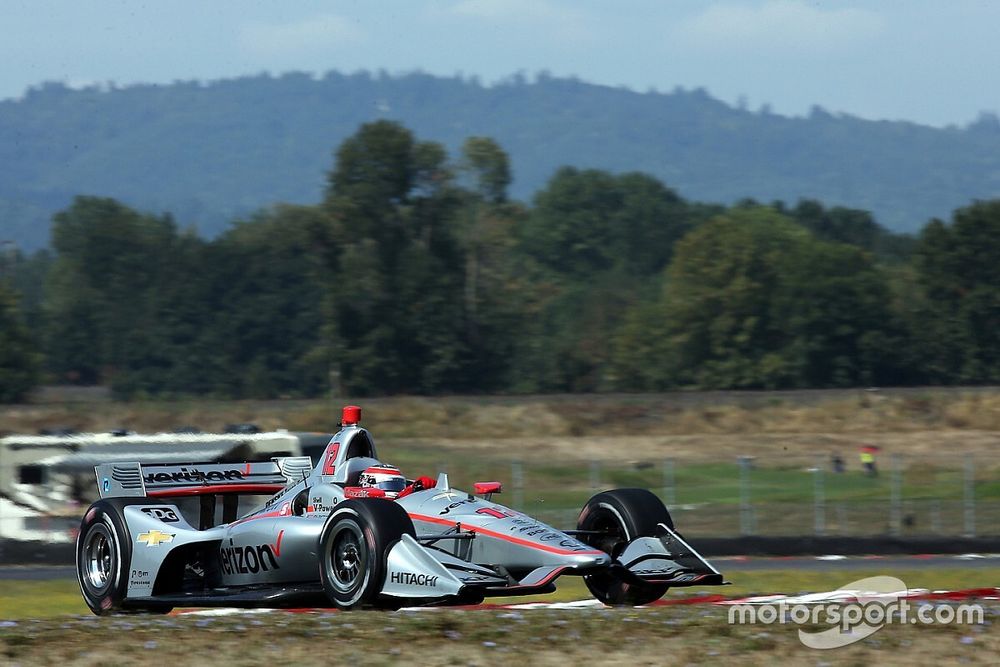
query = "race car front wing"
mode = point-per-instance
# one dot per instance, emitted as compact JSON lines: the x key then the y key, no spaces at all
{"x":417,"y":570}
{"x":666,"y":559}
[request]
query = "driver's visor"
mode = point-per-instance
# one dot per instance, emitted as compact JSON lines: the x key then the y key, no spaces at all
{"x":396,"y":484}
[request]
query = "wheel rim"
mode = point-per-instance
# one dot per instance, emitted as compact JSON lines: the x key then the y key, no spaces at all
{"x":348,"y":557}
{"x":613,"y":535}
{"x":99,"y":559}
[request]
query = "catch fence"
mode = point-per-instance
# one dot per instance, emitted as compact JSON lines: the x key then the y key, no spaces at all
{"x":916,"y":496}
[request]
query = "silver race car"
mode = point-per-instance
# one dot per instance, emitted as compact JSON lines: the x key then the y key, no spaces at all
{"x":353,"y":532}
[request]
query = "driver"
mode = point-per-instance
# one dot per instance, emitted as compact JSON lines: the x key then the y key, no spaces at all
{"x":419,"y":484}
{"x":388,"y":479}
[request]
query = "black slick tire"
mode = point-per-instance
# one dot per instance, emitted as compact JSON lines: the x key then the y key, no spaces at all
{"x":621,"y":515}
{"x":353,"y":547}
{"x":103,"y":556}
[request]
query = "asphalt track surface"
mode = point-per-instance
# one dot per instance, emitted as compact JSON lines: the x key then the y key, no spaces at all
{"x":724,"y":564}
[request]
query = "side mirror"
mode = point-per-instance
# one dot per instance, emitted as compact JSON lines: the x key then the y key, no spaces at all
{"x":487,"y":488}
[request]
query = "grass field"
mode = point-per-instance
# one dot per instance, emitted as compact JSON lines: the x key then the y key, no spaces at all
{"x":48,"y":599}
{"x":683,"y":445}
{"x":653,"y":636}
{"x":705,"y":496}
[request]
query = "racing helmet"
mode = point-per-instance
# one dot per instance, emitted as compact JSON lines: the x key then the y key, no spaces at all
{"x":384,"y":477}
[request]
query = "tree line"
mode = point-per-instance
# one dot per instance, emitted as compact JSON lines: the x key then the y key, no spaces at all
{"x":226,"y":148}
{"x":417,"y":274}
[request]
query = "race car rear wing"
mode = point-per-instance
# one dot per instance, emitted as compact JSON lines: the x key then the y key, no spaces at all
{"x":194,"y":479}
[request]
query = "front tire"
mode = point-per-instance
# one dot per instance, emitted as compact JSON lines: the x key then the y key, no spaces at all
{"x":353,"y":547}
{"x":621,"y":515}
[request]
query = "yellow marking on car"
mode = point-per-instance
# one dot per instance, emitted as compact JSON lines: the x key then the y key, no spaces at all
{"x":155,"y":538}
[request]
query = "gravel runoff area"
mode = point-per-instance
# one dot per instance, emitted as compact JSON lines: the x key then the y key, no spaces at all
{"x":645,"y":636}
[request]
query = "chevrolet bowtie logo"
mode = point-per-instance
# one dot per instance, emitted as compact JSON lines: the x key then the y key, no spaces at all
{"x":154,"y":538}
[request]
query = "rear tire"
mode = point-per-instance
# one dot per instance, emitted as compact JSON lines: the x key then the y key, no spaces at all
{"x":353,"y":547}
{"x":621,"y":515}
{"x":104,"y":556}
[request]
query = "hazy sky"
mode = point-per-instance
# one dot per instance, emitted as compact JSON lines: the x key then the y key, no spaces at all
{"x":931,"y":61}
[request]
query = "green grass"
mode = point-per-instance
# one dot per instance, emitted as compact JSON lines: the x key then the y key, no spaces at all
{"x":652,"y":636}
{"x":720,"y":483}
{"x":41,"y":599}
{"x":699,"y":482}
{"x":47,"y":599}
{"x":707,"y":496}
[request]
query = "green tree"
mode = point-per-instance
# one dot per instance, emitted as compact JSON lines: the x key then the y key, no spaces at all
{"x":267,"y":281}
{"x":833,"y":305}
{"x":488,"y":166}
{"x":956,"y":320}
{"x":753,"y":300}
{"x":128,"y":302}
{"x":27,"y":274}
{"x":589,"y":221}
{"x":854,"y":227}
{"x":597,"y":243}
{"x":169,"y":350}
{"x":109,"y":259}
{"x":396,"y":307}
{"x":18,"y":356}
{"x":485,"y":227}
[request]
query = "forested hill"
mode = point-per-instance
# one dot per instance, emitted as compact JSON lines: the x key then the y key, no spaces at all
{"x":210,"y":152}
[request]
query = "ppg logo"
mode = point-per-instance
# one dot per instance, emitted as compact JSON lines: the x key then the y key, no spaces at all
{"x":164,"y":514}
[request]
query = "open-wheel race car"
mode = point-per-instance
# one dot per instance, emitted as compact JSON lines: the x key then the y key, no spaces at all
{"x":352,"y":532}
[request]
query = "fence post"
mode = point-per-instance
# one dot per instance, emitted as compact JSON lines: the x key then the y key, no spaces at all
{"x":746,"y":511}
{"x":517,"y":482}
{"x":970,"y":496}
{"x":819,"y":500}
{"x":595,"y":476}
{"x":669,"y":493}
{"x":895,"y":496}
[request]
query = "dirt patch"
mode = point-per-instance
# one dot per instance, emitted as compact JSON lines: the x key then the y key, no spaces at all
{"x":655,"y":636}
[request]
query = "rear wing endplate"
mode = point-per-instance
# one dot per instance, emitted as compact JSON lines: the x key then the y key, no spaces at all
{"x":194,"y":479}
